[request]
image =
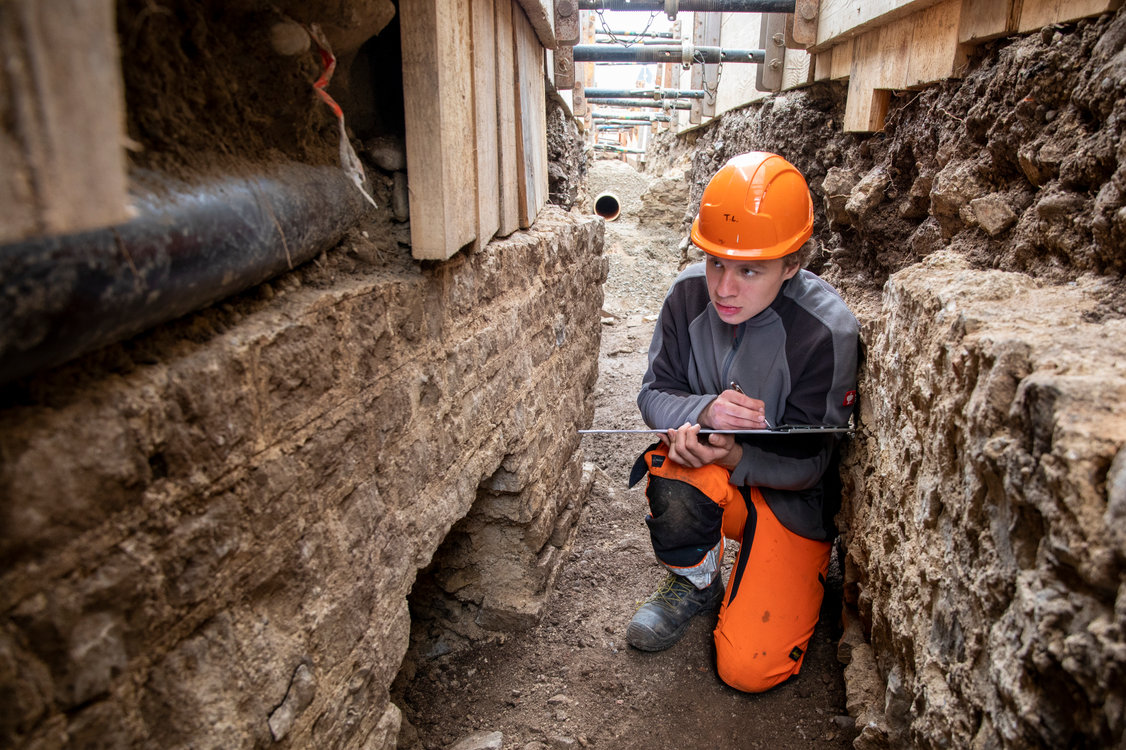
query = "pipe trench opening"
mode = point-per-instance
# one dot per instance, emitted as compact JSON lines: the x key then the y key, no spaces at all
{"x":607,"y":206}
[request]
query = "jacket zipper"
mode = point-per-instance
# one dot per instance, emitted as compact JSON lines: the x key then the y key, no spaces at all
{"x":736,"y":338}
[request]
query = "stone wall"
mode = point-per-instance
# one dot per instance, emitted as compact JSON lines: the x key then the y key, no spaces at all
{"x":979,"y":239}
{"x":209,"y":534}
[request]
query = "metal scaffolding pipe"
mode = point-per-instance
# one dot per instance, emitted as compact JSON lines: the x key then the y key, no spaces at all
{"x":686,"y":54}
{"x":694,"y":6}
{"x":640,"y":103}
{"x":633,"y":118}
{"x":647,"y":93}
{"x":617,"y":149}
{"x":189,"y":247}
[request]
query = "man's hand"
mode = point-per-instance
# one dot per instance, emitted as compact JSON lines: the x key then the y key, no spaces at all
{"x":732,"y":410}
{"x":686,"y":448}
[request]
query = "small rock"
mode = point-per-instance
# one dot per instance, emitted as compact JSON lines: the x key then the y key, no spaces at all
{"x":480,"y":741}
{"x":289,"y":38}
{"x":562,"y":743}
{"x":993,"y":214}
{"x":388,"y":152}
{"x":302,"y":688}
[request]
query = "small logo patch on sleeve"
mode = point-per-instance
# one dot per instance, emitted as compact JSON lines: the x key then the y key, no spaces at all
{"x":849,"y":399}
{"x":796,"y":653}
{"x":658,"y":461}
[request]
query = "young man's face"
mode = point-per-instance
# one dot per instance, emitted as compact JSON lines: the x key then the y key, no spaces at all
{"x":741,"y":289}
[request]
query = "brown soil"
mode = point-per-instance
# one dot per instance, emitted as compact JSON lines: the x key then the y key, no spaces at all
{"x":572,"y":681}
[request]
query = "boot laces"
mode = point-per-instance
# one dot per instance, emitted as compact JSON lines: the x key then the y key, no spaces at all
{"x":672,"y":591}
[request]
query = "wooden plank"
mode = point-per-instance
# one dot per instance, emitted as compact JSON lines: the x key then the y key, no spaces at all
{"x":935,"y":51}
{"x":541,"y":15}
{"x":842,"y":19}
{"x":866,"y":106}
{"x":485,"y":105}
{"x":822,"y":65}
{"x":63,"y":163}
{"x":437,"y":94}
{"x":985,"y":19}
{"x":895,"y":51}
{"x":798,"y":69}
{"x":531,"y":120}
{"x":507,"y":163}
{"x":1036,"y":14}
{"x":841,"y":65}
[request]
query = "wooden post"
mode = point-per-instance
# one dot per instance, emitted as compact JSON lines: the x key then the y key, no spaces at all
{"x":506,"y":120}
{"x":531,"y":120}
{"x":438,"y":93}
{"x":63,"y":157}
{"x":485,"y":106}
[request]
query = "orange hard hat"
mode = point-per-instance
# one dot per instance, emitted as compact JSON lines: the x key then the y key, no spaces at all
{"x":756,"y":207}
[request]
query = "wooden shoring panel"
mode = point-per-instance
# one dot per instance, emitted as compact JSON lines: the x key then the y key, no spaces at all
{"x":839,"y":19}
{"x":62,"y":95}
{"x":437,"y":93}
{"x":935,"y":50}
{"x":909,"y":52}
{"x":983,"y":20}
{"x":840,"y":66}
{"x":1035,"y":14}
{"x":508,"y":164}
{"x":485,"y":107}
{"x":531,"y":120}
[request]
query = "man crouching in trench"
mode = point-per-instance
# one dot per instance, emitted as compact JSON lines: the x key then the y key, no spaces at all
{"x":745,"y":340}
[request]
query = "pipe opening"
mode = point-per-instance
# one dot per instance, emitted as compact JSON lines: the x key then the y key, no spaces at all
{"x":607,"y":206}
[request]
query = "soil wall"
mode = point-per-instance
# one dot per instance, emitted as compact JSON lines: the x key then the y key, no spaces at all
{"x":209,"y":534}
{"x":980,"y":240}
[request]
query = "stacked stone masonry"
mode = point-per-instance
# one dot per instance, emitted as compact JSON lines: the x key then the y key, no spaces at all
{"x":213,"y":544}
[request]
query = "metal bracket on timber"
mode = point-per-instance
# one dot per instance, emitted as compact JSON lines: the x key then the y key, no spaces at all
{"x":566,"y":37}
{"x":772,"y":37}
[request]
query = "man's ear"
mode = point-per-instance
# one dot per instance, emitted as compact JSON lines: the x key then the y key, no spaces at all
{"x":788,"y":271}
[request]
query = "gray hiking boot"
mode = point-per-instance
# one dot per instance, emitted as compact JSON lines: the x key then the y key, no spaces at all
{"x":662,"y":620}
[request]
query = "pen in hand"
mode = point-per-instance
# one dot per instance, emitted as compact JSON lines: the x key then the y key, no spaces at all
{"x":735,"y":387}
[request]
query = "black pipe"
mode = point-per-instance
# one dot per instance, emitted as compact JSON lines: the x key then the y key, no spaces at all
{"x":640,"y":103}
{"x":189,"y":247}
{"x":664,"y":54}
{"x":694,"y":6}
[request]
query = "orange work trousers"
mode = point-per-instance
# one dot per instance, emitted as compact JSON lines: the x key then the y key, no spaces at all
{"x":773,"y":597}
{"x":775,"y":589}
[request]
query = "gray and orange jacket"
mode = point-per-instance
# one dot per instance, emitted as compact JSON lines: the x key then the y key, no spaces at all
{"x":799,"y":356}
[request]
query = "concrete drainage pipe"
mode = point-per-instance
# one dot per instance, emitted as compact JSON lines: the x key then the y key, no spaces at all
{"x":607,"y":206}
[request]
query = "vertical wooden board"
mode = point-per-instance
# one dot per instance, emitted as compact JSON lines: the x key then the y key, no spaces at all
{"x":798,"y":69}
{"x":437,"y":94}
{"x":935,"y":51}
{"x":1038,"y":13}
{"x":485,"y":108}
{"x":507,"y":162}
{"x":847,"y":18}
{"x":894,"y":52}
{"x":539,"y":95}
{"x":841,"y":66}
{"x":822,"y":65}
{"x":64,"y":168}
{"x":866,"y":106}
{"x":984,"y":19}
{"x":531,"y":120}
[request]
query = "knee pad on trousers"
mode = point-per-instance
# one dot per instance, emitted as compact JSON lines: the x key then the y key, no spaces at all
{"x":685,"y":506}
